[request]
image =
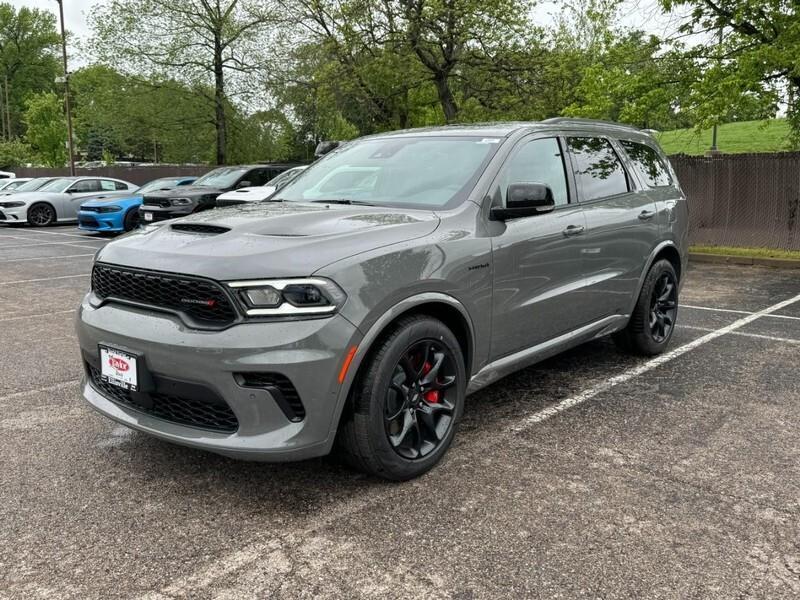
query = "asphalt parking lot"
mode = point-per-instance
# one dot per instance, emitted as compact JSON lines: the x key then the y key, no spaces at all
{"x":593,"y":474}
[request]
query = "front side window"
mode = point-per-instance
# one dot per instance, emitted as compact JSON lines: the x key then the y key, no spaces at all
{"x":427,"y":172}
{"x":598,"y":170}
{"x":87,"y":185}
{"x":538,"y":161}
{"x":648,"y":163}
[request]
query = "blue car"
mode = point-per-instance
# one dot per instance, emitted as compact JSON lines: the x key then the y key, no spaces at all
{"x":121,"y":213}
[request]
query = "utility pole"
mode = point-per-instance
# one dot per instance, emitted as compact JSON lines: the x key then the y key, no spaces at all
{"x":714,"y":149}
{"x":66,"y":90}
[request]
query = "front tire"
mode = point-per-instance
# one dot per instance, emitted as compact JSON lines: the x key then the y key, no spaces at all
{"x":653,"y":320}
{"x":406,"y":403}
{"x":41,"y":215}
{"x":131,"y":220}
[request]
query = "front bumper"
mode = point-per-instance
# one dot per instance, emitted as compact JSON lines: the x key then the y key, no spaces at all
{"x":309,"y":353}
{"x":162,"y":213}
{"x":94,"y":221}
{"x":14,"y":215}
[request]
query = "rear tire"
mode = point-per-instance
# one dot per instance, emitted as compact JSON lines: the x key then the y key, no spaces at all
{"x":406,"y":403}
{"x":653,"y":320}
{"x":41,"y":215}
{"x":131,"y":220}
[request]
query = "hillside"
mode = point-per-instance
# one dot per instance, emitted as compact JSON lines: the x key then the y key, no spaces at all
{"x":733,"y":138}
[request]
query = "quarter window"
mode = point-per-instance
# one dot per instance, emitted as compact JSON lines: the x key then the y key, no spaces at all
{"x":598,"y":170}
{"x":538,"y":161}
{"x":648,"y":163}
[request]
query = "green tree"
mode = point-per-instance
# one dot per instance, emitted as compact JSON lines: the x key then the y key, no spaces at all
{"x":757,"y":59}
{"x":197,"y":42}
{"x":14,"y":154}
{"x":47,"y":129}
{"x":29,"y":43}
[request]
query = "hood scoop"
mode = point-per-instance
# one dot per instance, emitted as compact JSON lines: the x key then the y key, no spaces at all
{"x":199,"y":228}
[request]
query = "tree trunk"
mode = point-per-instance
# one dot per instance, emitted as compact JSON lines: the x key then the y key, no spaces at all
{"x":219,"y":104}
{"x":446,"y":99}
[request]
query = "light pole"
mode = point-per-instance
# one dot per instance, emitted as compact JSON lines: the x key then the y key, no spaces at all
{"x":66,"y":90}
{"x":714,"y":150}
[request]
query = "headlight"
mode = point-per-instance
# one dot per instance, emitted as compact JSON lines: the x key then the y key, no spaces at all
{"x":180,"y":201}
{"x":12,"y":204}
{"x":108,"y":209}
{"x":288,"y":297}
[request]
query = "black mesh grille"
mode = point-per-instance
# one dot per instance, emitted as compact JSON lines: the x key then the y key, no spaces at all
{"x":184,"y":411}
{"x":150,"y":201}
{"x":203,"y":301}
{"x":199,"y":228}
{"x":288,"y":398}
{"x":87,"y":221}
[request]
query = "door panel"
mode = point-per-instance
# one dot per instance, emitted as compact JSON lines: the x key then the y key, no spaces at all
{"x":538,"y":275}
{"x":621,"y":226}
{"x":538,"y":271}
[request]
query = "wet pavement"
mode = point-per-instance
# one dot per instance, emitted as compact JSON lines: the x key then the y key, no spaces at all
{"x":593,"y":474}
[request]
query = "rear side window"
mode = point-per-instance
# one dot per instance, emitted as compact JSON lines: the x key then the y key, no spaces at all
{"x":120,"y":186}
{"x":538,"y":161}
{"x":598,"y":170}
{"x":107,"y":185}
{"x":648,"y":163}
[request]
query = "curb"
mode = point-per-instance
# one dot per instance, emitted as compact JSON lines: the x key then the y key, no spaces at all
{"x":728,"y":259}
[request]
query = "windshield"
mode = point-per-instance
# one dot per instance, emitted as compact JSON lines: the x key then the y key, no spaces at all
{"x":221,"y":178}
{"x":158,"y":184}
{"x":417,"y":172}
{"x":285,"y":177}
{"x":57,"y":185}
{"x":32,"y":185}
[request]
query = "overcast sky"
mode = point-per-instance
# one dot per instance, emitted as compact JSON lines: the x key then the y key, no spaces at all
{"x":639,"y":14}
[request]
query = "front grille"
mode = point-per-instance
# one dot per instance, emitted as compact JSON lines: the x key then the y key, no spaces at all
{"x":202,"y":301}
{"x":87,"y":221}
{"x":199,"y":228}
{"x":151,"y":201}
{"x":280,"y":387}
{"x":176,"y":409}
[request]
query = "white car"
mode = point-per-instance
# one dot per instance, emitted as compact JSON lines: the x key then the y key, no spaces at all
{"x":7,"y":185}
{"x":261,"y":192}
{"x":59,"y":200}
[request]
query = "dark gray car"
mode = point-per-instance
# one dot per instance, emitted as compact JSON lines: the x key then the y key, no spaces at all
{"x":359,"y":307}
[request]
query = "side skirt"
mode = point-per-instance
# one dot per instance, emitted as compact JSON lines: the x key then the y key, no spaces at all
{"x":529,"y":356}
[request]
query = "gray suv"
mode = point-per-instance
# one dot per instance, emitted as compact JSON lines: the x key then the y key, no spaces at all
{"x":357,"y":308}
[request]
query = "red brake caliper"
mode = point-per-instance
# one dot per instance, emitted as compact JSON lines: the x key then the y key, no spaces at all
{"x":431,"y":396}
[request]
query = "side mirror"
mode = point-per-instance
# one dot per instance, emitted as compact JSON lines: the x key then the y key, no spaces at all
{"x":525,"y":200}
{"x":324,"y":147}
{"x":243,"y":184}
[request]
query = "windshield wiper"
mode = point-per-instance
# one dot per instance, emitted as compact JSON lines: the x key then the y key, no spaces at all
{"x":342,"y":201}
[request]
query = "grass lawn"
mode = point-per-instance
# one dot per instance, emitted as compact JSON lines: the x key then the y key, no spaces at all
{"x":732,"y":138}
{"x":754,"y":252}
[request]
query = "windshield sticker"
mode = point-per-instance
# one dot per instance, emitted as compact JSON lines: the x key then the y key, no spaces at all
{"x":489,"y":141}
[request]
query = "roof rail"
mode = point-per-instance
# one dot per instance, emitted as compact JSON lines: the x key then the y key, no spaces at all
{"x":553,"y":120}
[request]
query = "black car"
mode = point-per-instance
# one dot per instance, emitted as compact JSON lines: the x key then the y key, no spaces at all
{"x":202,"y":194}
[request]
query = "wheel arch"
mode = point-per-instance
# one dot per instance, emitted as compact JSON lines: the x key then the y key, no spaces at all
{"x":46,"y":203}
{"x":666,"y":250}
{"x":440,"y":306}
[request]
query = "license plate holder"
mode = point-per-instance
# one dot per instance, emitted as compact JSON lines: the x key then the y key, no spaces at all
{"x":119,"y":368}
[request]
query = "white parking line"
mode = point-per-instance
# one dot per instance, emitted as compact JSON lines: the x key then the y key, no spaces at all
{"x":39,"y":231}
{"x":43,"y":279}
{"x":14,"y":260}
{"x":22,"y":317}
{"x":771,"y":338}
{"x":737,"y":312}
{"x":71,"y":243}
{"x":649,"y":365}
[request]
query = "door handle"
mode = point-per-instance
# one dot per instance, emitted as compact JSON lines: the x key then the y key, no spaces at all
{"x":646,"y":215}
{"x":573,"y":230}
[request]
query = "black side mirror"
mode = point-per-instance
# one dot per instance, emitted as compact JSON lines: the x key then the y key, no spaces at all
{"x":324,"y":147}
{"x":525,"y":200}
{"x":243,"y":184}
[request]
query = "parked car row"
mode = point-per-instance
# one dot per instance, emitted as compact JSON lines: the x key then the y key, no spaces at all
{"x":109,"y":205}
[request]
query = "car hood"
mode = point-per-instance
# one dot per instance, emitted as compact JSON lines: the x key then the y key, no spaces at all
{"x":249,"y":194}
{"x":184,"y":191}
{"x":263,"y":240}
{"x":29,"y":197}
{"x":109,"y":198}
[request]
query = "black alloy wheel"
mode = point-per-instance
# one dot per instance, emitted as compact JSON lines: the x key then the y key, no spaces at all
{"x":41,"y":215}
{"x":418,"y":411}
{"x":663,"y":307}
